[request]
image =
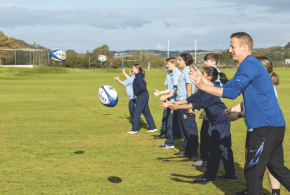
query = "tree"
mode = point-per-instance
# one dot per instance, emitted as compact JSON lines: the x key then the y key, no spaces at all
{"x":226,"y":58}
{"x":103,"y":50}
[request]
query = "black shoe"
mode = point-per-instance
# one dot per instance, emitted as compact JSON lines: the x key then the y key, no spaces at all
{"x":178,"y":138}
{"x":181,"y":153}
{"x":204,"y":180}
{"x":163,"y":136}
{"x":192,"y":155}
{"x":244,"y":192}
{"x":233,"y":178}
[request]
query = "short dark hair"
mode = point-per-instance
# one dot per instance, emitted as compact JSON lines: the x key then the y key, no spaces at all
{"x":245,"y":38}
{"x":187,"y":58}
{"x":212,"y":57}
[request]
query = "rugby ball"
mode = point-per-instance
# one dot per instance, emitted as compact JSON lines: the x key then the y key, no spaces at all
{"x":57,"y":55}
{"x":102,"y":58}
{"x":108,"y":96}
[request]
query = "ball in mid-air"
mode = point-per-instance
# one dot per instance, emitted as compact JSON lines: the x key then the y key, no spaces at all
{"x":102,"y":58}
{"x":57,"y":55}
{"x":108,"y":96}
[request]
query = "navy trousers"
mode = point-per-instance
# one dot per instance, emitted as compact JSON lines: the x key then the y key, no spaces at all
{"x":164,"y":122}
{"x":204,"y":140}
{"x":220,"y":148}
{"x":131,"y":106}
{"x":271,"y":157}
{"x":172,"y":127}
{"x":142,"y":106}
{"x":189,"y":132}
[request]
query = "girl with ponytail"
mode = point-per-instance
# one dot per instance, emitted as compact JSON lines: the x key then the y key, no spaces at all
{"x":142,"y":97}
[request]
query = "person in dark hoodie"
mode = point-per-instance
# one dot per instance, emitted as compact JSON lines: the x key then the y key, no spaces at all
{"x":219,"y":128}
{"x":142,"y":97}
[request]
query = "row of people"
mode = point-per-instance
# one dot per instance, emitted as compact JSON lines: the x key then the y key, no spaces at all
{"x":180,"y":100}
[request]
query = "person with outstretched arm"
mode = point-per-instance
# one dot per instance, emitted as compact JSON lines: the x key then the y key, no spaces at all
{"x":262,"y":110}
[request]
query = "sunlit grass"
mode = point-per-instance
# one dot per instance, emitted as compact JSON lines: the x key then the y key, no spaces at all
{"x":57,"y":138}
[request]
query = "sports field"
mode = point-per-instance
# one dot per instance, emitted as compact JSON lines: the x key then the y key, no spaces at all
{"x":57,"y":138}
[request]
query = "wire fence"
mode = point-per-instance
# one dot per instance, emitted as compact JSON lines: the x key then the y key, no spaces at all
{"x":38,"y":57}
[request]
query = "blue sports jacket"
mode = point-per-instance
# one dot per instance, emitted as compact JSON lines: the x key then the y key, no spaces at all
{"x":254,"y":82}
{"x":139,"y":85}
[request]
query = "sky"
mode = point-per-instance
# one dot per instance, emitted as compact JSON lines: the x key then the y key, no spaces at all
{"x":145,"y":24}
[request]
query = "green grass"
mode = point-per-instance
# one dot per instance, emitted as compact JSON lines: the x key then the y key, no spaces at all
{"x":57,"y":138}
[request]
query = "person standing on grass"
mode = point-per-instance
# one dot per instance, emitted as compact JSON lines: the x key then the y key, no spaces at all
{"x":219,"y":128}
{"x":238,"y":112}
{"x":163,"y":130}
{"x":172,"y":117}
{"x":263,"y":113}
{"x":210,"y":60}
{"x":142,"y":98}
{"x":187,"y":124}
{"x":128,"y":83}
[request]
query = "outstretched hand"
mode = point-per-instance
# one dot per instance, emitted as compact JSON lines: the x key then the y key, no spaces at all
{"x":163,"y":98}
{"x":195,"y":76}
{"x":156,"y":93}
{"x":165,"y":104}
{"x":174,"y":106}
{"x":116,"y":78}
{"x":123,"y":71}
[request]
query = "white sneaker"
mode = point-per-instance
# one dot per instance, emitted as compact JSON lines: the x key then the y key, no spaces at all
{"x":152,"y":130}
{"x":132,"y":132}
{"x":165,"y":146}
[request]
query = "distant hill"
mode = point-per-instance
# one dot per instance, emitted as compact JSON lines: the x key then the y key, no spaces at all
{"x":287,"y":46}
{"x":11,"y":43}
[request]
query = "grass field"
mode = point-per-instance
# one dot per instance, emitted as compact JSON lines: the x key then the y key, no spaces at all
{"x":57,"y":138}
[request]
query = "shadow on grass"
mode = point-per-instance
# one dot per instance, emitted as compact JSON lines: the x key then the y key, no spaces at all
{"x":79,"y":152}
{"x":221,"y":184}
{"x":114,"y":179}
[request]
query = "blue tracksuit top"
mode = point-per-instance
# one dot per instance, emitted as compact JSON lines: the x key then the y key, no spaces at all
{"x":261,"y":105}
{"x":139,"y":85}
{"x":212,"y":105}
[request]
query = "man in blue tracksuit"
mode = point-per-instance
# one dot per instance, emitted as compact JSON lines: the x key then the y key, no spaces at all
{"x":262,"y":111}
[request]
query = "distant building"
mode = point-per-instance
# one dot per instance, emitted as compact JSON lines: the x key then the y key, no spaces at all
{"x":120,"y":54}
{"x":287,"y":61}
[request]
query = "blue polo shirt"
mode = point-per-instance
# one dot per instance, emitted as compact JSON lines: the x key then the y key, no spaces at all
{"x":181,"y":87}
{"x":173,"y":83}
{"x":128,"y":83}
{"x":167,"y":79}
{"x":254,"y":82}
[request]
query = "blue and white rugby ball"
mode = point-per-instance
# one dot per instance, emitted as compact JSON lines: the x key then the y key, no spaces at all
{"x":102,"y":58}
{"x":57,"y":55}
{"x":108,"y":96}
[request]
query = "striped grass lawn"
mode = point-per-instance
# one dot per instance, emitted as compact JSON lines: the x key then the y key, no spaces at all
{"x":57,"y":138}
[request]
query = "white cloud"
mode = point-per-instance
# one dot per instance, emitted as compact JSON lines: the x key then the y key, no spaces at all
{"x":147,"y":27}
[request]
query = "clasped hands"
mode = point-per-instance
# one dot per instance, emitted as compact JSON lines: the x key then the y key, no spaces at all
{"x":232,"y":116}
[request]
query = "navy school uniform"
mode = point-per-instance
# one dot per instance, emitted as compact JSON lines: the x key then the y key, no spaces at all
{"x":219,"y":131}
{"x":141,"y":106}
{"x":204,"y":133}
